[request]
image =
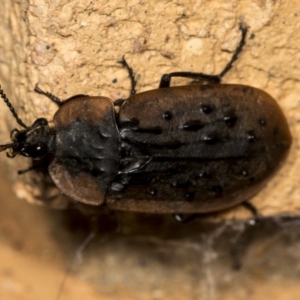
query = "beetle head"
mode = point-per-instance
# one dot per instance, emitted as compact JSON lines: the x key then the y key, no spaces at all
{"x":31,"y":141}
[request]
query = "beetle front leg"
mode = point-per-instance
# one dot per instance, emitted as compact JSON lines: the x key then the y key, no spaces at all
{"x":34,"y":167}
{"x":166,"y":78}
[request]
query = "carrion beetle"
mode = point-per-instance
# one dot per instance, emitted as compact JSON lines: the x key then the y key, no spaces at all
{"x":183,"y":149}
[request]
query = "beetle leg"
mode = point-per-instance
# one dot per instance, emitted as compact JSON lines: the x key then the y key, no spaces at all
{"x":253,"y":210}
{"x":49,"y":95}
{"x":34,"y":167}
{"x":131,"y":75}
{"x":166,"y":78}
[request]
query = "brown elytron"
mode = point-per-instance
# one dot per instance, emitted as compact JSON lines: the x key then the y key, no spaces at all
{"x":211,"y":147}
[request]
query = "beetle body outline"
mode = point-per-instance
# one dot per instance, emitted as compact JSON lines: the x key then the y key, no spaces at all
{"x":196,"y":151}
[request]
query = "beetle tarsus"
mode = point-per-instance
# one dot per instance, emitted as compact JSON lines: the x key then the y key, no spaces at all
{"x":256,"y":218}
{"x":10,"y":155}
{"x":243,"y":29}
{"x":131,"y":75}
{"x":251,"y":208}
{"x":53,"y":98}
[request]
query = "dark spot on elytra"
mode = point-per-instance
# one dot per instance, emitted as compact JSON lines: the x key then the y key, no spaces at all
{"x":167,"y":115}
{"x":193,"y":125}
{"x":190,"y":195}
{"x":230,"y":119}
{"x":251,"y":136}
{"x":153,"y":192}
{"x":211,"y":138}
{"x":217,"y":189}
{"x":262,"y":122}
{"x":206,"y":109}
{"x":205,"y":175}
{"x":115,"y":80}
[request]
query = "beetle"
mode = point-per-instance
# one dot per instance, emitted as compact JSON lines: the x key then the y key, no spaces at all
{"x":182,"y":149}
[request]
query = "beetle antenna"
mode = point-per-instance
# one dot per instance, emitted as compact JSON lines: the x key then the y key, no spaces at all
{"x":14,"y":113}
